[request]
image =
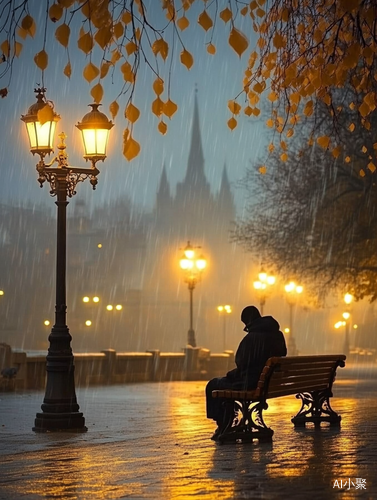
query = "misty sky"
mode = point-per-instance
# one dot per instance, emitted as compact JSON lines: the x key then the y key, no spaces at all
{"x":218,"y":78}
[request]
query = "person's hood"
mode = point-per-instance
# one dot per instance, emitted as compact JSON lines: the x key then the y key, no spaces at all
{"x":263,"y":324}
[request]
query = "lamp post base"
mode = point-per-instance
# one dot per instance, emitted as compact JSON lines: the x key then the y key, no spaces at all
{"x":191,"y":338}
{"x":60,"y":422}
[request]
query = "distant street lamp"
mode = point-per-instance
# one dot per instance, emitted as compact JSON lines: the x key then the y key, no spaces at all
{"x":224,"y":311}
{"x":60,"y":411}
{"x":193,"y":267}
{"x":348,"y":298}
{"x":261,"y":286}
{"x":292,"y":291}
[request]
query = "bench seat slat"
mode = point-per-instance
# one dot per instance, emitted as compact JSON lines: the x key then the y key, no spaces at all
{"x":278,"y":375}
{"x":285,"y":391}
{"x":306,"y":359}
{"x":297,"y":379}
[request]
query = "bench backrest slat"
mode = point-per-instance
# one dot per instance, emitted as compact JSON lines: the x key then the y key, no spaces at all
{"x":295,"y":374}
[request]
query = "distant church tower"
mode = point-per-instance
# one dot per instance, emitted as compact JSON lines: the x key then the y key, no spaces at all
{"x":194,"y":212}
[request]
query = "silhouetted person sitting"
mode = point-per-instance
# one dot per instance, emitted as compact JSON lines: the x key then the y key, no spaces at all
{"x":262,"y":341}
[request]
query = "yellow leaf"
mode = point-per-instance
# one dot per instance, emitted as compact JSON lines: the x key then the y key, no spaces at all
{"x":351,"y":127}
{"x":248,"y":111}
{"x":115,"y":56}
{"x":362,"y":173}
{"x":131,"y":149}
{"x":336,"y":151}
{"x":259,"y":87}
{"x":126,"y":17}
{"x":290,"y":132}
{"x":162,"y":127}
{"x":85,"y":43}
{"x":127,"y":72}
{"x":5,"y":48}
{"x":364,"y":149}
{"x":97,"y":93}
{"x":118,"y":30}
{"x":211,"y":49}
{"x":234,"y":107}
{"x":90,"y":72}
{"x":205,"y":21}
{"x":238,"y":41}
{"x":371,"y":167}
{"x":278,"y":41}
{"x":308,"y":109}
{"x":160,"y":47}
{"x":158,"y":86}
{"x":67,"y":70}
{"x":226,"y":15}
{"x":183,"y":23}
{"x":45,"y":114}
{"x":260,"y":12}
{"x":284,"y":157}
{"x":256,"y":111}
{"x":17,"y":48}
{"x":244,"y":11}
{"x":186,"y":59}
{"x":262,"y":169}
{"x":131,"y":47}
{"x":55,"y":12}
{"x":62,"y":34}
{"x":270,"y":123}
{"x":271,"y":147}
{"x":41,"y":60}
{"x":114,"y":108}
{"x":169,"y":108}
{"x":103,"y":36}
{"x":232,"y":123}
{"x":27,"y":22}
{"x":283,"y":145}
{"x":157,"y":107}
{"x":105,"y":66}
{"x":364,"y":109}
{"x":347,"y":159}
{"x":272,"y":96}
{"x":324,"y":141}
{"x":132,"y":113}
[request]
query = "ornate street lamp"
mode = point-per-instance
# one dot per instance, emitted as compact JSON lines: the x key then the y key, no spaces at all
{"x":224,"y":311}
{"x":60,"y":411}
{"x":292,"y":291}
{"x":193,"y":267}
{"x":261,"y":286}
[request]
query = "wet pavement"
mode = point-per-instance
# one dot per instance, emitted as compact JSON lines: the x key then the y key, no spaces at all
{"x":151,"y":441}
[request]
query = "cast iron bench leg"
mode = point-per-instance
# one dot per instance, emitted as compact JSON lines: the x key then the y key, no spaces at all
{"x":316,"y":408}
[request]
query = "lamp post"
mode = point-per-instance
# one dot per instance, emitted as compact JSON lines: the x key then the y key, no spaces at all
{"x":261,"y":285}
{"x":193,"y":266}
{"x":60,"y":411}
{"x":348,"y":298}
{"x":224,"y":310}
{"x":292,"y":290}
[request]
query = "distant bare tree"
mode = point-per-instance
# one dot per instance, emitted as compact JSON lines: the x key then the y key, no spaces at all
{"x":314,"y":216}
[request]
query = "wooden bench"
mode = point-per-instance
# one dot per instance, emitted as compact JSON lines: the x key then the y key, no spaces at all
{"x":309,"y":377}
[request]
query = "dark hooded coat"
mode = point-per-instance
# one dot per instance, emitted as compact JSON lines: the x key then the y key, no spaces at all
{"x":263,"y":340}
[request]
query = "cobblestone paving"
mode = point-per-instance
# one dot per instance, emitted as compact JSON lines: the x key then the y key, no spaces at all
{"x":151,"y":441}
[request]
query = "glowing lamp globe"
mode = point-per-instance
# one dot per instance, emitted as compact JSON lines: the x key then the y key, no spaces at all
{"x":95,"y":129}
{"x":40,"y":121}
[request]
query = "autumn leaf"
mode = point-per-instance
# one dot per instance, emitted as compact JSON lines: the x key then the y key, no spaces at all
{"x":126,"y":17}
{"x":226,"y":15}
{"x":67,"y":70}
{"x":41,"y":60}
{"x":45,"y":114}
{"x":118,"y":30}
{"x":234,"y":107}
{"x":205,"y":21}
{"x":371,"y":166}
{"x":186,"y":59}
{"x":238,"y":41}
{"x":85,"y":43}
{"x":97,"y":93}
{"x":90,"y":72}
{"x":169,"y":108}
{"x":131,"y":148}
{"x":131,"y":47}
{"x":127,"y":72}
{"x":162,"y":127}
{"x":160,"y":47}
{"x":27,"y":22}
{"x":262,"y":169}
{"x":284,"y":157}
{"x":105,"y":66}
{"x":55,"y":12}
{"x":232,"y":123}
{"x":114,"y":108}
{"x":158,"y":86}
{"x":211,"y":49}
{"x":157,"y":107}
{"x":103,"y":37}
{"x":248,"y":111}
{"x":62,"y":34}
{"x":3,"y":92}
{"x":17,"y":48}
{"x":132,"y":113}
{"x":183,"y":23}
{"x":5,"y":48}
{"x":324,"y":141}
